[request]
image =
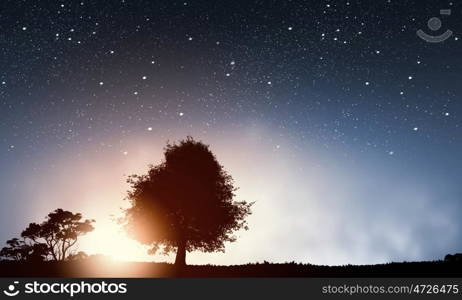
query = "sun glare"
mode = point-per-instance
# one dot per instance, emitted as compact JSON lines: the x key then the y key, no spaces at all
{"x":109,"y":239}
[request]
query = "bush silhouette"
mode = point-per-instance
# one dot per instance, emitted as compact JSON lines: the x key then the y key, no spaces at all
{"x":453,"y":258}
{"x":185,"y":203}
{"x":77,"y":256}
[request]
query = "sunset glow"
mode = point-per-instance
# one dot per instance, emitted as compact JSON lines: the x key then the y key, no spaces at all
{"x":109,"y":239}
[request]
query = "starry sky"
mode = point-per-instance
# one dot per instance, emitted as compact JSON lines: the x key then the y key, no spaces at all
{"x":334,"y":116}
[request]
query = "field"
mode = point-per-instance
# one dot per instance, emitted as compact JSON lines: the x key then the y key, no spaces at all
{"x":100,"y":268}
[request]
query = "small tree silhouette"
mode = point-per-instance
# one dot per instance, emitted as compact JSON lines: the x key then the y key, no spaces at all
{"x":19,"y":250}
{"x":14,"y":250}
{"x":185,"y":203}
{"x":59,"y":232}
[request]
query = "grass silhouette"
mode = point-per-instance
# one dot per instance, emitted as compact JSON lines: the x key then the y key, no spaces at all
{"x":108,"y":268}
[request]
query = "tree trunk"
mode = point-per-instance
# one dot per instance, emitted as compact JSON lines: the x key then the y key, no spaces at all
{"x":180,"y":259}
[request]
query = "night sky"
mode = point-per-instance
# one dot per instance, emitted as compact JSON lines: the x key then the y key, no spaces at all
{"x":341,"y":123}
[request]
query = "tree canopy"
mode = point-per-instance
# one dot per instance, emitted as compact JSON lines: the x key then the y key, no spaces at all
{"x":185,"y":203}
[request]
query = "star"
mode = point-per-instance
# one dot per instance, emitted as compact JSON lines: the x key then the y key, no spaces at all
{"x":342,"y":92}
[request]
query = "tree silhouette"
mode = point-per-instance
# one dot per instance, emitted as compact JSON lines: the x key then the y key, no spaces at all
{"x":185,"y":203}
{"x":14,"y":250}
{"x":60,"y":232}
{"x":20,"y":250}
{"x":53,"y":239}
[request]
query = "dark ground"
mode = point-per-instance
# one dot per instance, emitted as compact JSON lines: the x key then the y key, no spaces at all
{"x":91,"y":268}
